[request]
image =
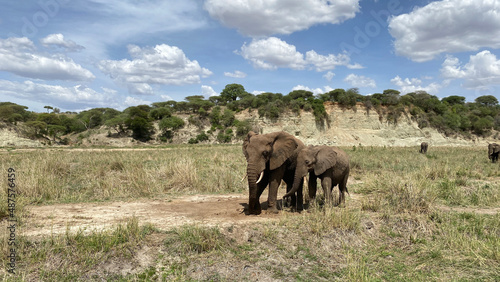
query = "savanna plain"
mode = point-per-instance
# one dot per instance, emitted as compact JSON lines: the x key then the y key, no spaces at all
{"x":408,"y":217}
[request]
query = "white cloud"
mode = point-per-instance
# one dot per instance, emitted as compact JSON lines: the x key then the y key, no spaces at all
{"x":132,"y":101}
{"x":481,"y":72}
{"x":315,"y":91}
{"x":360,"y":81}
{"x":323,"y":63}
{"x":329,"y":76}
{"x":272,"y":53}
{"x":78,"y":96}
{"x":236,"y":74}
{"x":162,"y":64}
{"x":263,"y":18}
{"x":18,"y":55}
{"x":408,"y":85}
{"x":166,"y":98}
{"x":257,"y":92}
{"x":59,"y":41}
{"x":446,"y":26}
{"x":208,"y":91}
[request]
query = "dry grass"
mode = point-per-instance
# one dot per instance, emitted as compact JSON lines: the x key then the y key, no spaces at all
{"x":393,"y":231}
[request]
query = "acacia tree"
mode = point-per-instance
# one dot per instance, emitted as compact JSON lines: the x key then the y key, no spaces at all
{"x":232,"y":92}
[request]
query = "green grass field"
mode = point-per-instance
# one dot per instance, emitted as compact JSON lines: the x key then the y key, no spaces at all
{"x":410,"y":217}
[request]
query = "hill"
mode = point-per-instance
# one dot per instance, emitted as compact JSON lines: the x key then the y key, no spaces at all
{"x":357,"y":126}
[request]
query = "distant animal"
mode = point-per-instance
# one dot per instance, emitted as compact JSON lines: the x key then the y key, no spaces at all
{"x":423,"y":147}
{"x":329,"y":164}
{"x":493,"y":150}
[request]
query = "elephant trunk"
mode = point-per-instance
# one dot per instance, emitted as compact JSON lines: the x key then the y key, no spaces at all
{"x":253,"y":202}
{"x":299,"y":174}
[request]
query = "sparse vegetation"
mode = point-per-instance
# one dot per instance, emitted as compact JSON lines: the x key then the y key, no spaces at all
{"x":397,"y":224}
{"x":450,"y":115}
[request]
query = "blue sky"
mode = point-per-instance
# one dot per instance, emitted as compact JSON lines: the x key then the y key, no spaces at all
{"x":76,"y":55}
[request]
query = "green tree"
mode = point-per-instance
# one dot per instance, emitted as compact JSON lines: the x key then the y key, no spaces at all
{"x":232,"y":91}
{"x":487,"y":100}
{"x":159,"y":113}
{"x":215,"y":116}
{"x":227,"y":118}
{"x":454,"y":100}
{"x":138,"y":121}
{"x":38,"y":127}
{"x":55,"y":130}
{"x":118,"y":123}
{"x":169,"y":125}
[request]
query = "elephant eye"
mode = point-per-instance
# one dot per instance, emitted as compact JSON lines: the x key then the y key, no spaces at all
{"x":307,"y":162}
{"x":265,"y":153}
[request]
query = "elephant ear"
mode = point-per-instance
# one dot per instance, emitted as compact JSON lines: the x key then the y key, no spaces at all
{"x":245,"y":143}
{"x":284,"y":146}
{"x":325,"y":159}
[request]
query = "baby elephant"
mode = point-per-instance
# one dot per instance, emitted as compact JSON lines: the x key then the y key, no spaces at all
{"x":329,"y":164}
{"x":423,"y":147}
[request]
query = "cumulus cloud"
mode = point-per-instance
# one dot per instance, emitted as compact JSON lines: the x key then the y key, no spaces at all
{"x":323,"y":63}
{"x":19,"y":55}
{"x":272,"y":53}
{"x":409,"y":85}
{"x":264,"y":18}
{"x":162,"y":64}
{"x":329,"y":76}
{"x":360,"y":81}
{"x":236,"y":74}
{"x":480,"y":73}
{"x":446,"y":26}
{"x":79,"y":96}
{"x":166,"y":98}
{"x":315,"y":91}
{"x":59,"y":41}
{"x":132,"y":101}
{"x":208,"y":91}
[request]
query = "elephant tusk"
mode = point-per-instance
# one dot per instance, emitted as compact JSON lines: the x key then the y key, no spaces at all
{"x":244,"y":177}
{"x":260,"y":177}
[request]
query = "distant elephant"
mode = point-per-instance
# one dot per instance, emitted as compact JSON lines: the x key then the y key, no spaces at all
{"x":423,"y":147}
{"x":493,"y":150}
{"x":271,"y":158}
{"x":330,"y":164}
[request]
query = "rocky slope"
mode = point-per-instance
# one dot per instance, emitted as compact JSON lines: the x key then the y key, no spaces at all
{"x":352,"y":127}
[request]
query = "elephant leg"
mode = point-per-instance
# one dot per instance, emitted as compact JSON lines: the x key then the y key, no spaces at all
{"x":326,"y":183}
{"x":290,"y":201}
{"x":299,"y":204}
{"x":342,"y":190}
{"x":263,"y":184}
{"x":312,"y":186}
{"x":274,"y":183}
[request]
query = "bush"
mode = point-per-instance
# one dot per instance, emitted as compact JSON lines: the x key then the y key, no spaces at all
{"x":171,"y":123}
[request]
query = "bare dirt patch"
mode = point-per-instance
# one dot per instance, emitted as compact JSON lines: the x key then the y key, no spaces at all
{"x":211,"y":210}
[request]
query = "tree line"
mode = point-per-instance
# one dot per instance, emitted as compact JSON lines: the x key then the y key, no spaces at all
{"x":450,"y":115}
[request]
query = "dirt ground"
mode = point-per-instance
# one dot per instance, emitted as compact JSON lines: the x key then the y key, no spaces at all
{"x":209,"y":210}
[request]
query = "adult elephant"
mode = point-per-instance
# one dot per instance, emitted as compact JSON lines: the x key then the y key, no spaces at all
{"x":271,"y":158}
{"x":493,"y":150}
{"x":423,"y":147}
{"x":330,"y":164}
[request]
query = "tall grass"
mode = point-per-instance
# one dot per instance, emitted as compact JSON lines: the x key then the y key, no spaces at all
{"x":46,"y":176}
{"x":391,"y":229}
